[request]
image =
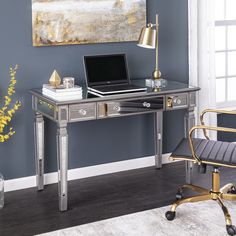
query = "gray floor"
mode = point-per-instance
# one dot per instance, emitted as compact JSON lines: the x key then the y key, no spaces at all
{"x":193,"y":219}
{"x":29,"y":212}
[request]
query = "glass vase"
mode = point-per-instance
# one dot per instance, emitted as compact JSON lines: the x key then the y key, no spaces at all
{"x":1,"y":191}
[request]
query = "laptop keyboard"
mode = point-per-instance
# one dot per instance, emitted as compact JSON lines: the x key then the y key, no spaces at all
{"x":120,"y":87}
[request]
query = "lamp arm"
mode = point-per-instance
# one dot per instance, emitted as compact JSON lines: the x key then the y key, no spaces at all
{"x":157,"y":26}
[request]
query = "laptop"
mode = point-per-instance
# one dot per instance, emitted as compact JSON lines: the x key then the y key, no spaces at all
{"x":108,"y":74}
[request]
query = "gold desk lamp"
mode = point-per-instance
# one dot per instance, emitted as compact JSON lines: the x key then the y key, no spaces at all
{"x":149,"y":39}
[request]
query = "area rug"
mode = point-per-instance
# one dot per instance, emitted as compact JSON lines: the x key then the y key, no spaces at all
{"x":193,"y":219}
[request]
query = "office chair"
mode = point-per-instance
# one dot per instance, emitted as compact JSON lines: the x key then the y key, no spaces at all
{"x":207,"y":152}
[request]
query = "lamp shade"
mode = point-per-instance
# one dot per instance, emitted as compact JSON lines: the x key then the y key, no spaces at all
{"x":147,"y":38}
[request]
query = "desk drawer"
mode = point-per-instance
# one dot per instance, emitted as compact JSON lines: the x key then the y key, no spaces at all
{"x":177,"y":101}
{"x":46,"y":108}
{"x":129,"y":107}
{"x":82,"y":112}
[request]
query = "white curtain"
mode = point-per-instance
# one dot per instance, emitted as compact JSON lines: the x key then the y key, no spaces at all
{"x":201,"y":56}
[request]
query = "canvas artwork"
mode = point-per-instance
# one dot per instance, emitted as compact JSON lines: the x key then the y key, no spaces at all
{"x":60,"y":22}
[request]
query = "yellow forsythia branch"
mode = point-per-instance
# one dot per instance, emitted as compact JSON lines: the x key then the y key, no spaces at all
{"x":7,"y":113}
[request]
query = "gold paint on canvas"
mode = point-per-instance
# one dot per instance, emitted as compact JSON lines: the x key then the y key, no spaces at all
{"x":60,"y":22}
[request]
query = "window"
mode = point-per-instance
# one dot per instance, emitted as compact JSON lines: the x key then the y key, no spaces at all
{"x":225,"y":52}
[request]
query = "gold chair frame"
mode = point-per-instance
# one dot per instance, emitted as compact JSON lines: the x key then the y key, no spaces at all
{"x":216,"y":193}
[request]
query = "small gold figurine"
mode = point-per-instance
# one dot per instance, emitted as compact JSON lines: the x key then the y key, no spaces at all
{"x":55,"y":79}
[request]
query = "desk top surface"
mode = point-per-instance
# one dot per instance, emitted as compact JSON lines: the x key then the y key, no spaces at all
{"x":172,"y":87}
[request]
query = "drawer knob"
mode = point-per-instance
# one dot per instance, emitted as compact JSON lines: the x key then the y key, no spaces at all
{"x":177,"y":101}
{"x":82,"y":112}
{"x":146,"y":104}
{"x":116,"y":108}
{"x":172,"y":101}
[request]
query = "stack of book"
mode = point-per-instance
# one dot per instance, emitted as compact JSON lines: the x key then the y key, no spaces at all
{"x":62,"y":94}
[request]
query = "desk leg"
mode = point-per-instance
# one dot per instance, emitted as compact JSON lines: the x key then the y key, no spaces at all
{"x":189,"y":123}
{"x":39,"y":149}
{"x":158,"y":128}
{"x":62,"y":162}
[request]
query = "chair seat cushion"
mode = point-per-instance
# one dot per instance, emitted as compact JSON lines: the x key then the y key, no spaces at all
{"x":207,"y":150}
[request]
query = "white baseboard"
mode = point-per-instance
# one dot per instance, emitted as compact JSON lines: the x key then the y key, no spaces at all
{"x":85,"y":172}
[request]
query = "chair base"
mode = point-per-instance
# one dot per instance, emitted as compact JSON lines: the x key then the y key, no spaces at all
{"x":216,"y":193}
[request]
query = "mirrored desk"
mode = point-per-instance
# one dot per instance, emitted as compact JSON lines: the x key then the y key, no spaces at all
{"x":174,"y":96}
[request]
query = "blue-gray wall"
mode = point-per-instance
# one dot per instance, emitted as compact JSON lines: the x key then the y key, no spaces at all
{"x":91,"y":142}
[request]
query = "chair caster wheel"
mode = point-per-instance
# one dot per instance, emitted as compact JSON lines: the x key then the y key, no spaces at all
{"x":179,"y":196}
{"x":232,"y":190}
{"x":231,"y":229}
{"x":170,"y":215}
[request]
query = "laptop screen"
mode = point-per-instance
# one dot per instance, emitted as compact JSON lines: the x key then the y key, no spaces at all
{"x":106,"y":69}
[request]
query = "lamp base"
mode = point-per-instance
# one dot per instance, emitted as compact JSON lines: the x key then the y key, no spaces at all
{"x":156,"y":83}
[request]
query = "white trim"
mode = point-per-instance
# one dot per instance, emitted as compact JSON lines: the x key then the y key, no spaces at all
{"x":192,"y":48}
{"x":225,"y":107}
{"x":85,"y":172}
{"x":201,"y":57}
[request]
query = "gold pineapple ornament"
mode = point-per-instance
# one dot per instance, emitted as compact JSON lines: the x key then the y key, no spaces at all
{"x":55,"y":79}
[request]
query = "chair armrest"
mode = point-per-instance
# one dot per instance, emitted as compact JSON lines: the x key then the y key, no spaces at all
{"x":218,"y":111}
{"x":203,"y":127}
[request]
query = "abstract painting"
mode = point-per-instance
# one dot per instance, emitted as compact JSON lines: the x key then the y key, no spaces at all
{"x":60,"y":22}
